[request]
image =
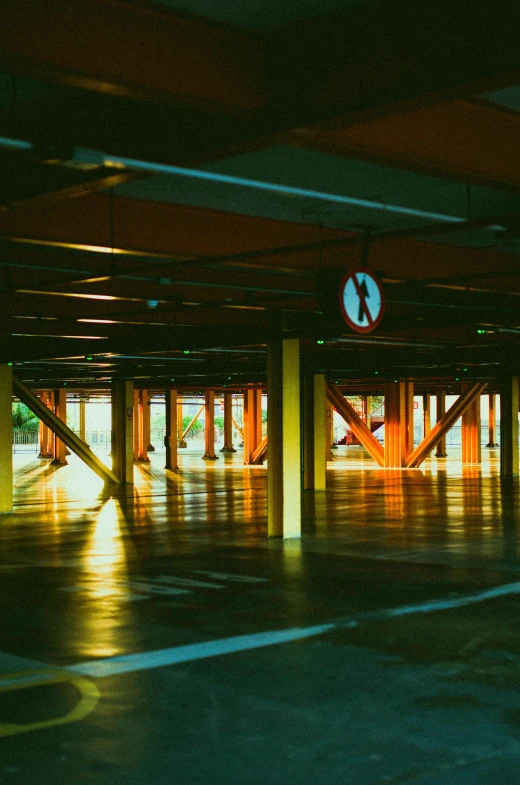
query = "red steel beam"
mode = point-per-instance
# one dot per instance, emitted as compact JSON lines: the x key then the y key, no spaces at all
{"x":359,"y":428}
{"x":441,"y":428}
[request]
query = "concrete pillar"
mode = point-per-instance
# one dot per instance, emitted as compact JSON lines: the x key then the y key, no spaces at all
{"x":209,"y":426}
{"x":228,"y":423}
{"x":427,"y":414}
{"x":509,"y":426}
{"x":252,"y":426}
{"x":284,"y":462}
{"x":441,"y":409}
{"x":471,"y":447}
{"x":398,"y":423}
{"x":315,"y":433}
{"x":6,"y":438}
{"x":82,"y":419}
{"x":180,"y":430}
{"x":60,"y":410}
{"x":492,"y":433}
{"x":122,"y":430}
{"x":46,"y":435}
{"x":170,"y":438}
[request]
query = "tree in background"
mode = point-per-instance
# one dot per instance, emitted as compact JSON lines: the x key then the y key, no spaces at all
{"x":24,"y":419}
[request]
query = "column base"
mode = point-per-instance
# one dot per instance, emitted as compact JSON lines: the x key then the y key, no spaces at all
{"x":228,"y":449}
{"x":210,"y":457}
{"x":150,"y":448}
{"x":492,"y":444}
{"x":182,"y":444}
{"x":142,"y":460}
{"x":57,"y":462}
{"x":441,"y":454}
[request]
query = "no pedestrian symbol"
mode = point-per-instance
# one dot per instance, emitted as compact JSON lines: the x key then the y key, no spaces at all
{"x":361,"y":301}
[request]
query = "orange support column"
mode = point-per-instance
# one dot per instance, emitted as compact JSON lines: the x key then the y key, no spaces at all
{"x":252,"y":422}
{"x":398,"y":423}
{"x":60,"y":410}
{"x":329,"y":430}
{"x":209,"y":426}
{"x":228,"y":423}
{"x":181,"y":441}
{"x":170,"y":438}
{"x":46,"y":435}
{"x":441,"y":409}
{"x":471,"y":447}
{"x":492,"y":433}
{"x":427,"y":414}
{"x":122,"y":430}
{"x":141,"y":425}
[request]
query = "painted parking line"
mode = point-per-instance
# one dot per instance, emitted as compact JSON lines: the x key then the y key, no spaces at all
{"x":176,"y":655}
{"x":81,"y":673}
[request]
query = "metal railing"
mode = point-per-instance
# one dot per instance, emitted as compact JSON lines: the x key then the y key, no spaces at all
{"x":26,"y":441}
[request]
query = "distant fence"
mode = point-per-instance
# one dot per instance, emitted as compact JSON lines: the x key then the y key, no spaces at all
{"x":26,"y":441}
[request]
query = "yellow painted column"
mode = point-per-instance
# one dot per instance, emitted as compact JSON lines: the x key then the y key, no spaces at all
{"x":228,"y":423}
{"x":509,"y":400}
{"x":284,"y":461}
{"x":170,"y":438}
{"x":6,"y":438}
{"x":492,"y":430}
{"x":320,"y":431}
{"x":60,"y":410}
{"x":368,"y":404}
{"x":122,"y":430}
{"x":209,"y":426}
{"x":82,"y":419}
{"x":441,"y":409}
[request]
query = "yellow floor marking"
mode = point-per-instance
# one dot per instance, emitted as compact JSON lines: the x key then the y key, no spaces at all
{"x":89,"y":697}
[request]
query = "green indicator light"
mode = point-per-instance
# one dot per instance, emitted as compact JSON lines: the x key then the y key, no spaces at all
{"x":376,"y":373}
{"x":89,"y":357}
{"x":457,"y":379}
{"x":186,"y":351}
{"x":229,"y":378}
{"x":481,"y":332}
{"x":464,"y":369}
{"x":320,"y":342}
{"x":10,"y":365}
{"x":337,"y":381}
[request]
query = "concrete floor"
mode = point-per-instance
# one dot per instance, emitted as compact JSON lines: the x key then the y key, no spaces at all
{"x":222,"y":685}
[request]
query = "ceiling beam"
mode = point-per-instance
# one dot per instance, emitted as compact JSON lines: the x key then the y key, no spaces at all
{"x":459,"y":140}
{"x":387,"y":57}
{"x":125,"y":49}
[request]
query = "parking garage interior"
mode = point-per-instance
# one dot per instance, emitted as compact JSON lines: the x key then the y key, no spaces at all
{"x":251,"y":530}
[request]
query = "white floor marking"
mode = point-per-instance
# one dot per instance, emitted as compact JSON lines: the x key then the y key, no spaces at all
{"x":129,"y":663}
{"x":224,"y":576}
{"x":173,"y":656}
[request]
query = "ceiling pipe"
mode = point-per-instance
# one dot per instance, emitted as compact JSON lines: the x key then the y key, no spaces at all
{"x":82,"y":156}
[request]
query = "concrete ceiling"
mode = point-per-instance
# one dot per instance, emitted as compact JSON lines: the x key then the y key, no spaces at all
{"x":196,"y":187}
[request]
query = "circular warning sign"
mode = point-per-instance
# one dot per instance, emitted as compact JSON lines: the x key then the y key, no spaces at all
{"x":361,"y":301}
